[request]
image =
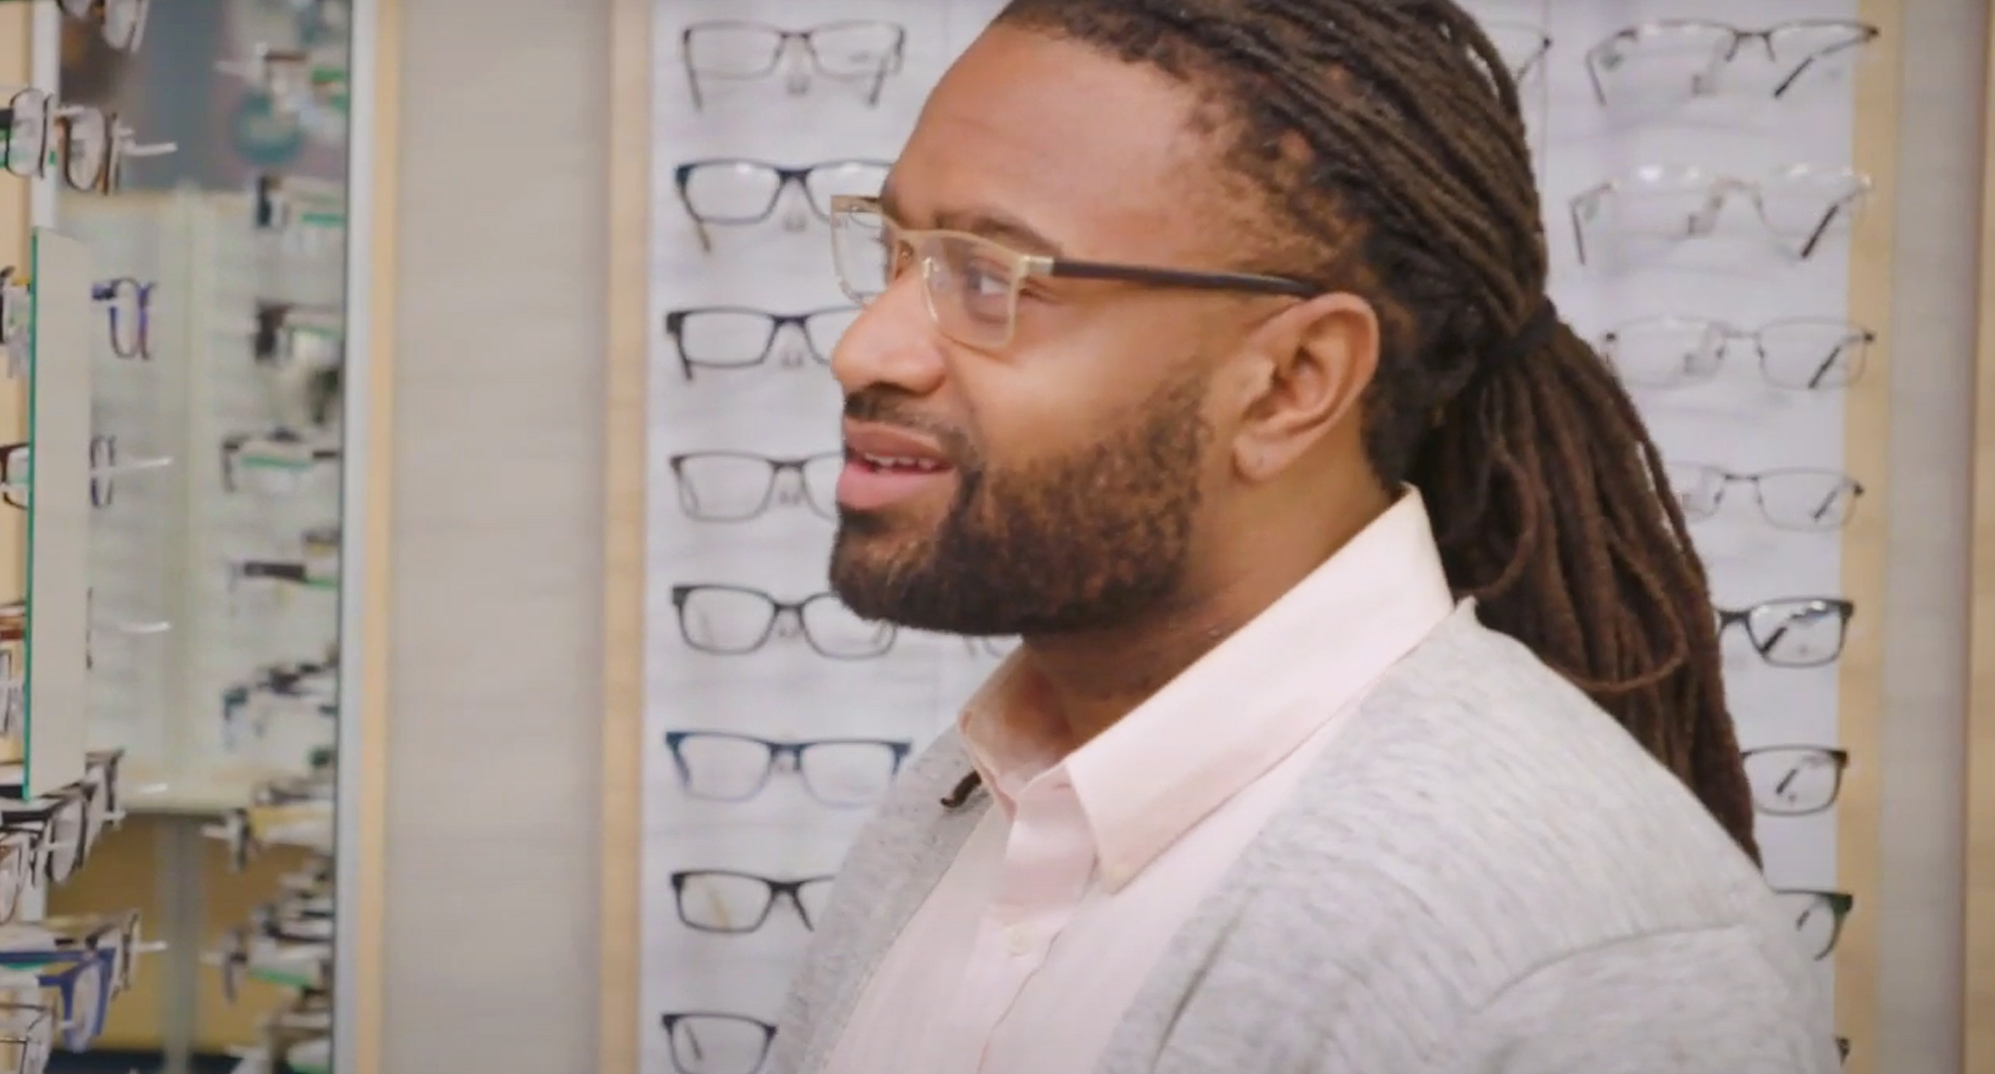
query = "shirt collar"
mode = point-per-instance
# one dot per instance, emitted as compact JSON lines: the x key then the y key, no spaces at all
{"x":1233,"y":714}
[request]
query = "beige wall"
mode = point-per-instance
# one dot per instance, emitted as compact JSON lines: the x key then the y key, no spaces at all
{"x":491,"y":855}
{"x":490,"y":931}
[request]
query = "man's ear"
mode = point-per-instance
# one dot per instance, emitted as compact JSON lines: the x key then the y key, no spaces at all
{"x":1314,"y":361}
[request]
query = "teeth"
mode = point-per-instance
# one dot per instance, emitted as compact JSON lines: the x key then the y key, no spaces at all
{"x":896,"y":462}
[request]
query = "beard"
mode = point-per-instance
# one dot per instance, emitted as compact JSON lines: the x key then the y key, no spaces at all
{"x":1087,"y":541}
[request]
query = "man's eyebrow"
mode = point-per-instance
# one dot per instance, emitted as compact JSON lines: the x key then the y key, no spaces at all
{"x":1001,"y":226}
{"x":987,"y":222}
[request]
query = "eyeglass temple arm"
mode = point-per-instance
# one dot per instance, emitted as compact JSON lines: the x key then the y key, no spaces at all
{"x":1822,"y":227}
{"x":1868,"y":35}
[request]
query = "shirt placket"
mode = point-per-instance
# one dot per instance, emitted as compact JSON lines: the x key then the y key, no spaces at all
{"x":1049,"y":859}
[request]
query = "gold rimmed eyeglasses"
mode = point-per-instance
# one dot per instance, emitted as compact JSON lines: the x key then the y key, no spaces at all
{"x":971,"y":283}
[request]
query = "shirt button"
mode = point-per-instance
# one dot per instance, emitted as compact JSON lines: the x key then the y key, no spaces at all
{"x":1018,"y":939}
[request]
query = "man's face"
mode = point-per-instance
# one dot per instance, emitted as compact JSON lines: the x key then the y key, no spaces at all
{"x":1054,"y":484}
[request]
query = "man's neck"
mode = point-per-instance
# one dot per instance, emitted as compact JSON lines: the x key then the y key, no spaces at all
{"x":1095,"y":679}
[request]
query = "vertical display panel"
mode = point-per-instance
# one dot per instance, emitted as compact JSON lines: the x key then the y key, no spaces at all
{"x":57,"y":696}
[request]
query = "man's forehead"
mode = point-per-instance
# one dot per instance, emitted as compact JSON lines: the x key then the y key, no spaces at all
{"x":1095,"y":152}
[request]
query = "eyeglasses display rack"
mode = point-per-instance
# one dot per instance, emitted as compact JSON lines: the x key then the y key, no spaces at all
{"x":209,"y":458}
{"x":1716,"y":183}
{"x":80,"y":432}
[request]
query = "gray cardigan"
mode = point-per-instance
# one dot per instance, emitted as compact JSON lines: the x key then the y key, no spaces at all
{"x":1483,"y":874}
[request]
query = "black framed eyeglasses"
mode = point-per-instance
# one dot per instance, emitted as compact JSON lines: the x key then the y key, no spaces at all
{"x":972,"y":283}
{"x":862,"y":51}
{"x":734,"y":620}
{"x":737,"y":191}
{"x":738,"y":337}
{"x":1794,"y":781}
{"x":1793,"y":632}
{"x":712,"y":1042}
{"x":1818,"y":916}
{"x":723,"y":900}
{"x":722,"y":766}
{"x":735,"y":486}
{"x":128,"y":306}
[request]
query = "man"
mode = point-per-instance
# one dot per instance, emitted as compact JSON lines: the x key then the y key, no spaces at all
{"x":1206,"y":348}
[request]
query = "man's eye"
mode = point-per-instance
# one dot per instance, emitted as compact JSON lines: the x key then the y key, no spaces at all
{"x":986,"y":280}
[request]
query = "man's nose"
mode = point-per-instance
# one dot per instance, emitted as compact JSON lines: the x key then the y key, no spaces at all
{"x":892,"y":342}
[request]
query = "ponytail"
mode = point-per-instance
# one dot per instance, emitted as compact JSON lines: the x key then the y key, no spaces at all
{"x":1552,"y":508}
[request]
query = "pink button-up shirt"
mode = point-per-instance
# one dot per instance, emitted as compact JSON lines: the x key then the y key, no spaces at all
{"x":1030,"y":947}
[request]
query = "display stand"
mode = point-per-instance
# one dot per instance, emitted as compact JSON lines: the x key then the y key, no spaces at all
{"x":1978,"y":846}
{"x":1843,"y":850}
{"x":627,"y":503}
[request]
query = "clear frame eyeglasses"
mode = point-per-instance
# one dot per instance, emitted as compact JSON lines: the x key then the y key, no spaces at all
{"x":972,"y":284}
{"x":1799,"y":205}
{"x":865,"y":51}
{"x":736,"y":486}
{"x":1797,"y":353}
{"x":1800,"y":499}
{"x":1694,"y":53}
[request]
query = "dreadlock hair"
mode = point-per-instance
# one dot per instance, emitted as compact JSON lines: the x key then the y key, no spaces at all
{"x":1385,"y":139}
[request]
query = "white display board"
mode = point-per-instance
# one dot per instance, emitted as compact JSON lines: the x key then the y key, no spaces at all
{"x":1703,"y":147}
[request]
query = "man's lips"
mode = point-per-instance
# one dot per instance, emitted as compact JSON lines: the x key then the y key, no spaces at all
{"x":885,"y":466}
{"x":889,"y":447}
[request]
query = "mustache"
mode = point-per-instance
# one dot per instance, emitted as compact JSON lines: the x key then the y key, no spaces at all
{"x":887,"y":407}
